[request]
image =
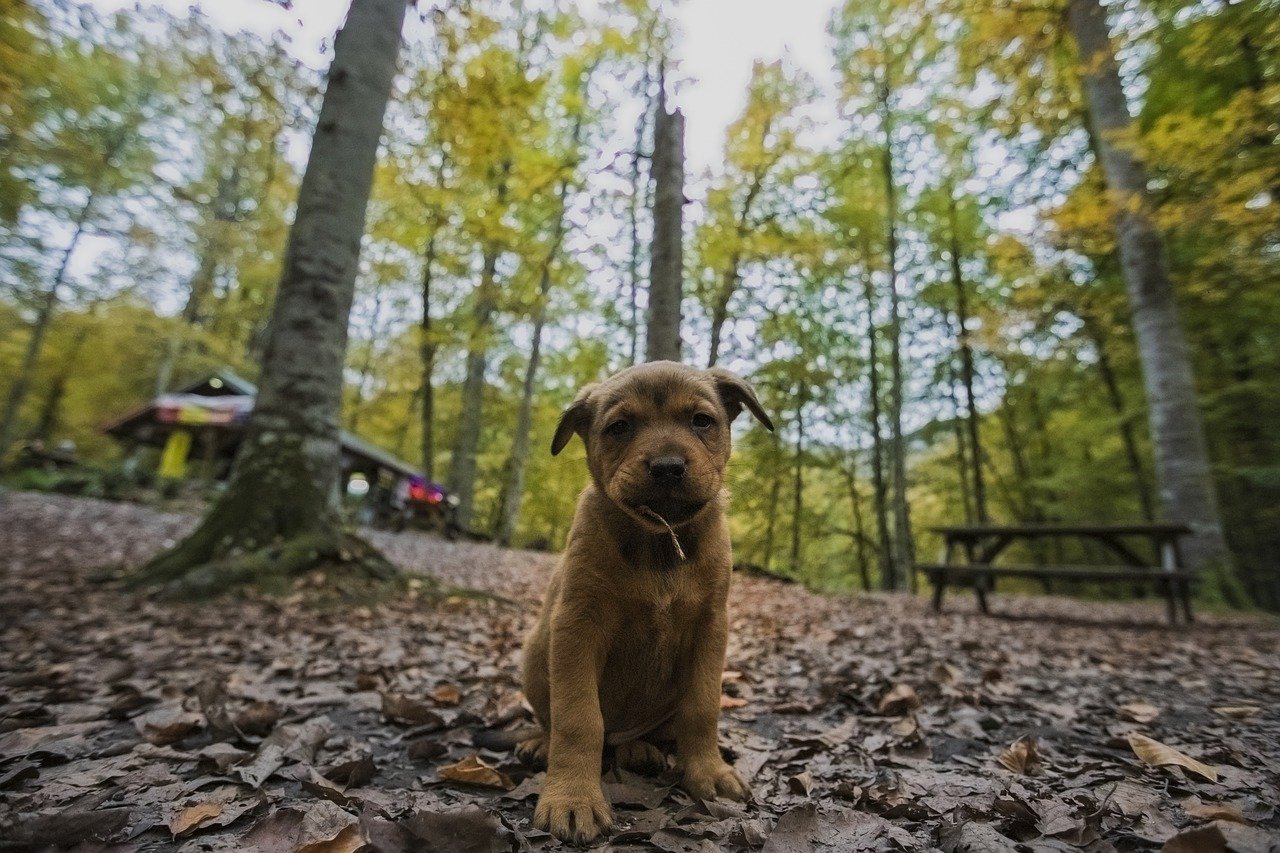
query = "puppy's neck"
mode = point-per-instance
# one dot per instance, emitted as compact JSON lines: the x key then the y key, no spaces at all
{"x":645,"y":549}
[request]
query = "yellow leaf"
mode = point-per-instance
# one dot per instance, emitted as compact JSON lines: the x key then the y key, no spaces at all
{"x":1157,"y":754}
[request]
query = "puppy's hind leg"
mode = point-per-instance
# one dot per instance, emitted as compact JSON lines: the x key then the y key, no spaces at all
{"x":640,"y":756}
{"x":532,"y":751}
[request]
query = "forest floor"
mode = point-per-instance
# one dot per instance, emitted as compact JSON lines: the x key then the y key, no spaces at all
{"x":862,"y":723}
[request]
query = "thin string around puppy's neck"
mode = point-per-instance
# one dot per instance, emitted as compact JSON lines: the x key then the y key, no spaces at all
{"x":675,"y":540}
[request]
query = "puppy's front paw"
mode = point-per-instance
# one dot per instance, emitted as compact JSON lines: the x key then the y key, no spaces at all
{"x":578,"y":813}
{"x":712,"y":780}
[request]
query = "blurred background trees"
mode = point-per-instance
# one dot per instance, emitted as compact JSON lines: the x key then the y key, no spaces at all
{"x":916,"y":261}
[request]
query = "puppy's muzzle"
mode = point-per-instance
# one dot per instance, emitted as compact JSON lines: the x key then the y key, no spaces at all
{"x":668,"y":470}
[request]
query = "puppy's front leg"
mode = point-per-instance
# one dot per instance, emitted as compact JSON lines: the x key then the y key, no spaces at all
{"x":706,"y":774}
{"x":572,"y":805}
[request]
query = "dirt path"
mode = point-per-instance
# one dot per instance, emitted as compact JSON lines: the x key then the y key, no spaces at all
{"x":863,"y":723}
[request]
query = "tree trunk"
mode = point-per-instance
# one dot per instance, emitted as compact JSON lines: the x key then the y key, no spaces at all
{"x":280,"y":513}
{"x":513,"y":493}
{"x":797,"y":499}
{"x":639,"y":189}
{"x":859,"y":529}
{"x":666,"y":266}
{"x":1124,"y":419}
{"x":720,"y":308}
{"x":775,"y":495}
{"x":427,"y":351}
{"x":966,"y":370}
{"x":1182,"y":463}
{"x":888,"y":576}
{"x":904,"y":546}
{"x":35,"y":344}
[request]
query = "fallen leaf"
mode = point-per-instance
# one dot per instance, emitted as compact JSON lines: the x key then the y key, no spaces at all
{"x":727,"y":702}
{"x":900,"y":700}
{"x":402,"y":709}
{"x":1157,"y":754}
{"x":258,"y":719}
{"x":447,"y":694}
{"x":352,"y":773}
{"x":1139,"y":712}
{"x":907,"y":727}
{"x":474,"y":771}
{"x":1022,"y":756}
{"x":193,"y":816}
{"x":801,"y":783}
{"x":1214,"y":811}
{"x":167,"y":725}
{"x":1238,"y":712}
{"x":322,"y":827}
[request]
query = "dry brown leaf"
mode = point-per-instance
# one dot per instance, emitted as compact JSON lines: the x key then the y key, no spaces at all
{"x":447,"y":694}
{"x":906,"y":727}
{"x":945,"y":673}
{"x":727,"y":702}
{"x":901,"y":699}
{"x":1238,"y":712}
{"x":474,"y":771}
{"x":402,"y":709}
{"x":193,"y":816}
{"x":1214,"y":811}
{"x":1139,"y":712}
{"x":1157,"y":754}
{"x":1022,"y":756}
{"x":348,"y":840}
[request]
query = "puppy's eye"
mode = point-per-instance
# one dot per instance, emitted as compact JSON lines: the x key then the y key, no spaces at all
{"x":618,"y":428}
{"x":703,"y":421}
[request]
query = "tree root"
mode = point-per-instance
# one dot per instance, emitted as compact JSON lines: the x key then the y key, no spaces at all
{"x":274,"y":568}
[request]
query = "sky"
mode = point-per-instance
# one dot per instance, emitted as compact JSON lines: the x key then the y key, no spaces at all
{"x":717,"y":41}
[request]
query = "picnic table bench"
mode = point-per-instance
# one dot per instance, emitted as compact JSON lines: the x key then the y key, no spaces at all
{"x":969,"y":552}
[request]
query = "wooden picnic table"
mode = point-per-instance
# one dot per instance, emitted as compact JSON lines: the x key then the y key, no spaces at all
{"x":969,"y":553}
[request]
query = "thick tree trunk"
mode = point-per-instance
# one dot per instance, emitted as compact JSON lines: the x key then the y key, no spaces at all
{"x":903,"y":543}
{"x":666,"y":264}
{"x":1182,"y":463}
{"x":279,"y":514}
{"x":888,"y":577}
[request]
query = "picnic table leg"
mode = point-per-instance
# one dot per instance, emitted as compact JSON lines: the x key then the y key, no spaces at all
{"x":939,"y":590}
{"x":1170,"y":591}
{"x":1184,"y":587}
{"x":980,"y":590}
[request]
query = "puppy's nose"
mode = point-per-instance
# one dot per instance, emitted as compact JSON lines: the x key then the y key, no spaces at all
{"x":667,"y":469}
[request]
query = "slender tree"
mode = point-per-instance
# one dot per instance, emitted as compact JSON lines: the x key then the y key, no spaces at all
{"x":279,"y":514}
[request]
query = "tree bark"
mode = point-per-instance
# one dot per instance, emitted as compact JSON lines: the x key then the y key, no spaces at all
{"x":466,"y":441}
{"x":797,"y":498}
{"x":859,"y":530}
{"x":904,"y":546}
{"x":427,"y":352}
{"x":280,"y":512}
{"x":1182,"y":464}
{"x":888,"y":578}
{"x":966,"y":369}
{"x":35,"y":344}
{"x":666,"y":264}
{"x":513,"y":493}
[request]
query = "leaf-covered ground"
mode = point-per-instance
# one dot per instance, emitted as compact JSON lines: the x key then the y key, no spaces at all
{"x":863,"y":723}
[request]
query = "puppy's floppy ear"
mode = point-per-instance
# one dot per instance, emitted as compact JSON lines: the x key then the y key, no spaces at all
{"x":576,"y":418}
{"x":735,"y":392}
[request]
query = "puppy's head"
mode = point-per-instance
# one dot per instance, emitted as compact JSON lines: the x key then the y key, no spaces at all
{"x":657,"y":437}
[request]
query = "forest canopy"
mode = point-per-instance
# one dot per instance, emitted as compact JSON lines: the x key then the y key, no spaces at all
{"x":916,"y":259}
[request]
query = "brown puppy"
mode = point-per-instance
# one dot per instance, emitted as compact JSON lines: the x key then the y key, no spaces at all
{"x":631,"y":639}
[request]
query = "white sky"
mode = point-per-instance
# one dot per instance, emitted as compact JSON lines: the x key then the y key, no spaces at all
{"x":717,"y":40}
